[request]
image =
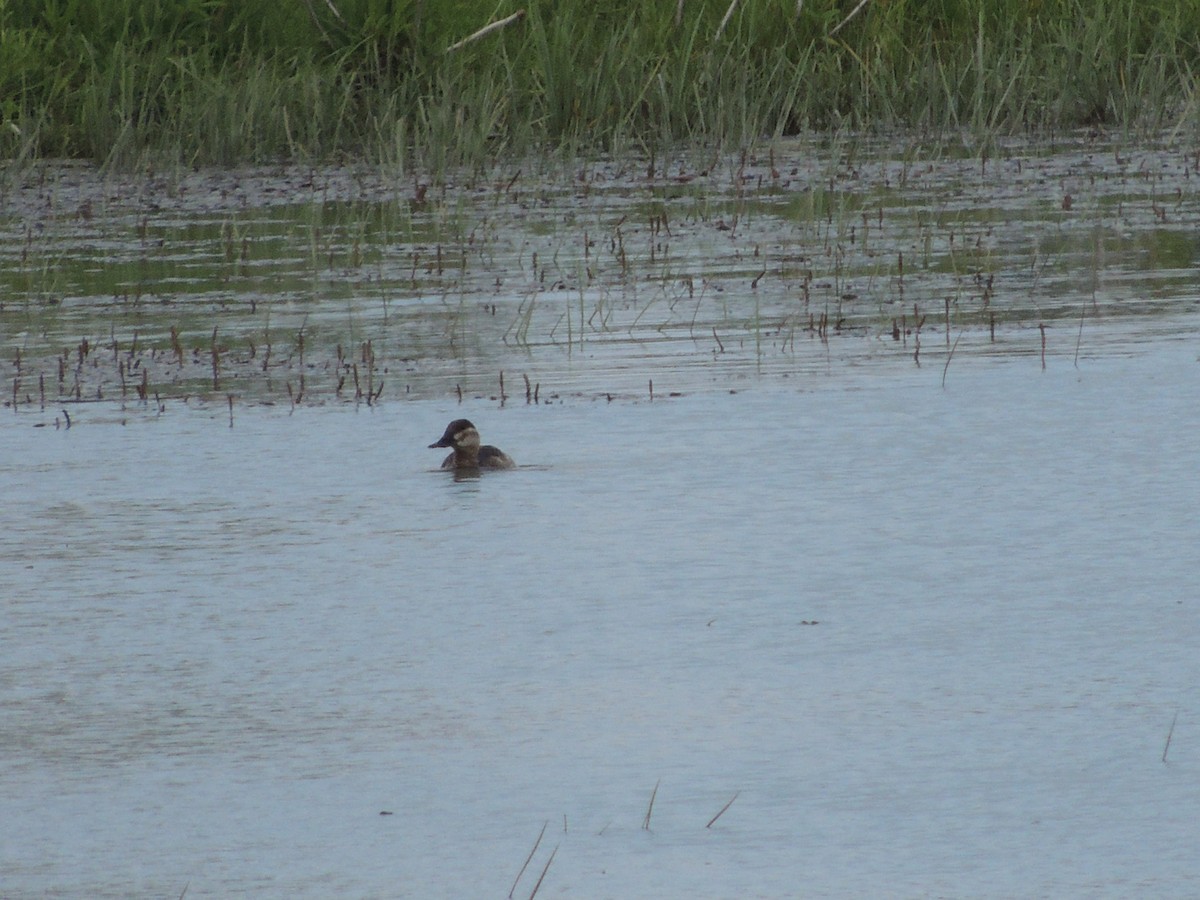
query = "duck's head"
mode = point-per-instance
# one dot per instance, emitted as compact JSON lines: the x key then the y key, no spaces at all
{"x":460,"y":435}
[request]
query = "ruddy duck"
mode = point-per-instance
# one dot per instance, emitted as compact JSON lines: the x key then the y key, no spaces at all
{"x":468,"y":453}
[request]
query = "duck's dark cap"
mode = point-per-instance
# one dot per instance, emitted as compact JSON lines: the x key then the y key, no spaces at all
{"x":447,"y":438}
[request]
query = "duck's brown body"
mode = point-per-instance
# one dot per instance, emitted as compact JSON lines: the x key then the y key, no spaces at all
{"x":467,"y":452}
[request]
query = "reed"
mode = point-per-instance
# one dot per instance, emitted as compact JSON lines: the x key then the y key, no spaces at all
{"x":218,"y":81}
{"x":721,"y":811}
{"x":949,"y":356}
{"x":528,"y":859}
{"x":542,"y":877}
{"x":1170,"y":731}
{"x":650,"y":807}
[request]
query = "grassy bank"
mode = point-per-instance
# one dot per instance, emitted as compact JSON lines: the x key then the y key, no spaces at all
{"x":219,"y":81}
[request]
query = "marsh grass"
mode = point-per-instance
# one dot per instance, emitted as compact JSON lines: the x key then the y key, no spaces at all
{"x":210,"y":81}
{"x":345,"y":285}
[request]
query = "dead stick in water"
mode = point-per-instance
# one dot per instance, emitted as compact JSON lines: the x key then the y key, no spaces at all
{"x":542,"y":877}
{"x":722,"y":810}
{"x":1042,"y":328}
{"x":1170,"y":732}
{"x":949,"y":356}
{"x":650,"y":808}
{"x":1079,"y":337}
{"x":528,"y":859}
{"x":216,"y":361}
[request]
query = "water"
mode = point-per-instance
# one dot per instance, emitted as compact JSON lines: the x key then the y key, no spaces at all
{"x":927,"y":618}
{"x":933,"y":640}
{"x":589,"y":278}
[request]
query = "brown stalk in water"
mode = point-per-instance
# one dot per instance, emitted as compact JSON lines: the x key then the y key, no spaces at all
{"x":1170,"y":731}
{"x":1079,"y":337}
{"x":528,"y":858}
{"x":650,"y":808}
{"x":541,"y":877}
{"x":721,"y":811}
{"x":949,"y":356}
{"x":216,"y":361}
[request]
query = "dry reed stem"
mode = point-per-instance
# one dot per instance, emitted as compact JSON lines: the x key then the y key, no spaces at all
{"x":1170,"y":732}
{"x":729,"y":15}
{"x":721,"y":812}
{"x":1079,"y":337}
{"x":854,"y":12}
{"x":216,"y":361}
{"x":650,"y":808}
{"x":486,"y":30}
{"x":949,"y":356}
{"x":542,"y":877}
{"x":528,"y":858}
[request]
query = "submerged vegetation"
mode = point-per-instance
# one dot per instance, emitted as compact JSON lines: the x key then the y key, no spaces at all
{"x":397,"y":82}
{"x":621,"y":278}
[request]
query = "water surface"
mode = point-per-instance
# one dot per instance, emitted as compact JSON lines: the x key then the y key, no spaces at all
{"x":931,"y":638}
{"x":857,"y":487}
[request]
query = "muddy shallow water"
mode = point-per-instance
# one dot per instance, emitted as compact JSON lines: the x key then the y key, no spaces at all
{"x":923,"y":607}
{"x":586,"y":278}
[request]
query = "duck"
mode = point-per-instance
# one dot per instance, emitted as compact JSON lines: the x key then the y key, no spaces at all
{"x":468,"y":451}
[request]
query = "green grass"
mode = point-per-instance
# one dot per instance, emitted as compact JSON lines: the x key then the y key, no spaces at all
{"x":194,"y":82}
